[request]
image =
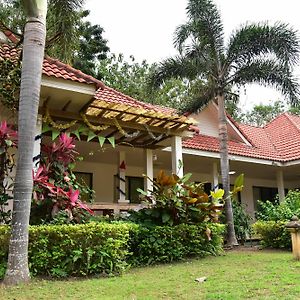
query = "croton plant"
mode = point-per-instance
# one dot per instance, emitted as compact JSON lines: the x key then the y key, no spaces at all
{"x":55,"y":187}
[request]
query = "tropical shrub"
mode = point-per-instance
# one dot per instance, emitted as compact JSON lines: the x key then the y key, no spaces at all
{"x":8,"y":141}
{"x":272,"y":220}
{"x":283,"y":211}
{"x":174,"y":201}
{"x":110,"y":248}
{"x":55,"y":187}
{"x":159,"y":244}
{"x":273,"y":234}
{"x":74,"y":250}
{"x":242,"y":221}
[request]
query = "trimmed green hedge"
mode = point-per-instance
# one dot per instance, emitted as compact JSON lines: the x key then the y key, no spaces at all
{"x":273,"y":234}
{"x":103,"y":248}
{"x":166,"y":244}
{"x":74,"y":250}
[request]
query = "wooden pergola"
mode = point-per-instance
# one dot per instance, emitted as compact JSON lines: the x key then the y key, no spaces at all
{"x":136,"y":126}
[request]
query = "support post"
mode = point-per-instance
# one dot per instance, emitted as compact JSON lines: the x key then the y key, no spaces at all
{"x":280,"y":185}
{"x":215,"y":177}
{"x":122,"y":178}
{"x":177,"y":160}
{"x":148,"y":170}
{"x":37,"y":143}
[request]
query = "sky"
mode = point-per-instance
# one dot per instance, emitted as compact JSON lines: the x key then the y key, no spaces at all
{"x":144,"y":29}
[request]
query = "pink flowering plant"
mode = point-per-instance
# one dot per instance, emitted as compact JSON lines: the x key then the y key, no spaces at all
{"x":57,"y":192}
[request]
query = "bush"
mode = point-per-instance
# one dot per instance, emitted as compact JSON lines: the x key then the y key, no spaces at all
{"x":242,"y":222}
{"x":170,"y":243}
{"x":74,"y":250}
{"x":274,"y":234}
{"x":103,"y":248}
{"x":283,"y":211}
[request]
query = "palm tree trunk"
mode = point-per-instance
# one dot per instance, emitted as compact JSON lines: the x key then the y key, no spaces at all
{"x":224,"y":162}
{"x":33,"y":54}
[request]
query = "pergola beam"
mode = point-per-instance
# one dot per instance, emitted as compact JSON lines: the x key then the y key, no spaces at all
{"x":64,"y":115}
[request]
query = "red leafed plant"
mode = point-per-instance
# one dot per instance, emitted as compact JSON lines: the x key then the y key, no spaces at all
{"x":8,"y":140}
{"x":56,"y":188}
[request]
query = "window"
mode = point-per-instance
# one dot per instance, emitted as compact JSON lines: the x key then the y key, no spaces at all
{"x":85,"y":178}
{"x":131,"y":186}
{"x":264,"y":193}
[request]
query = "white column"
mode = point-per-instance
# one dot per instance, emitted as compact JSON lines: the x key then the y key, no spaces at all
{"x":37,"y":143}
{"x":148,"y":169}
{"x":122,"y":178}
{"x":176,"y":146}
{"x":215,"y":176}
{"x":280,"y":185}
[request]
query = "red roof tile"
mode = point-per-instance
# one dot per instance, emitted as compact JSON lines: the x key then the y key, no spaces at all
{"x":279,"y":140}
{"x":55,"y":68}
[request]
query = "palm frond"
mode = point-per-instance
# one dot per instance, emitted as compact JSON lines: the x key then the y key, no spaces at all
{"x":64,"y":16}
{"x":268,"y":72}
{"x":207,"y":24}
{"x":200,"y":99}
{"x":254,"y":40}
{"x":174,"y":67}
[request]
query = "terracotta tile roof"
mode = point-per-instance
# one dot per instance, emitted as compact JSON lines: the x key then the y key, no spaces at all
{"x":53,"y":67}
{"x":113,"y":96}
{"x":278,"y":141}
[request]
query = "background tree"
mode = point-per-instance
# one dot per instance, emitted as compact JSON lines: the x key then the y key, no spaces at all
{"x":131,"y":78}
{"x":32,"y":60}
{"x":92,"y":46}
{"x":70,"y":38}
{"x":255,"y":53}
{"x":261,"y":114}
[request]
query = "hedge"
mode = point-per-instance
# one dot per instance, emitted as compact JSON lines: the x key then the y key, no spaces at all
{"x":162,"y":244}
{"x":103,"y":248}
{"x":273,"y":234}
{"x":74,"y":250}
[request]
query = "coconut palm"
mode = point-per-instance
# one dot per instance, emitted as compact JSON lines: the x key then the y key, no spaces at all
{"x":255,"y":53}
{"x":32,"y":60}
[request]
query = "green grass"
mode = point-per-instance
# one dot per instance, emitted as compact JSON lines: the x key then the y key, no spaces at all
{"x":236,"y":275}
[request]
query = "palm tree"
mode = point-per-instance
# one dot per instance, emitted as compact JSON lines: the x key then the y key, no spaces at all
{"x":32,"y":60}
{"x":255,"y":53}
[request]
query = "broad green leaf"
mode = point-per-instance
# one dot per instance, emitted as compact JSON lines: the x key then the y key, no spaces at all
{"x":239,"y":182}
{"x":91,"y":135}
{"x":101,"y":140}
{"x":142,"y":192}
{"x":55,"y":134}
{"x":112,"y":141}
{"x":186,"y":177}
{"x":218,"y":194}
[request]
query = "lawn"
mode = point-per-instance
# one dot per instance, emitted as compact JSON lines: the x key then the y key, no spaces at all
{"x":235,"y":275}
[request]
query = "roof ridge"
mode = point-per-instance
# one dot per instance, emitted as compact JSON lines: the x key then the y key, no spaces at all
{"x":65,"y":66}
{"x":236,"y":124}
{"x":8,"y":33}
{"x":287,"y":115}
{"x":143,"y":104}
